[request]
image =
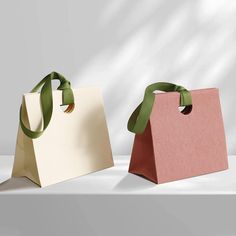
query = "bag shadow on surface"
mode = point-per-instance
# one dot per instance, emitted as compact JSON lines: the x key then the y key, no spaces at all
{"x":131,"y":182}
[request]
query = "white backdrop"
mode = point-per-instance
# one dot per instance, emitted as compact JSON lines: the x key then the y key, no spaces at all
{"x":120,"y":45}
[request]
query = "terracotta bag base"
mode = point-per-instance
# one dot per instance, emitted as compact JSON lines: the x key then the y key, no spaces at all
{"x":156,"y":182}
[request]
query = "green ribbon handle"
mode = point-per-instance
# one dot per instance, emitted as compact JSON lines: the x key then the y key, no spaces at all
{"x":46,"y":101}
{"x":139,"y":118}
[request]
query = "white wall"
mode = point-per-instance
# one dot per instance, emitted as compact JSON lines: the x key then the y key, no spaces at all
{"x":121,"y":45}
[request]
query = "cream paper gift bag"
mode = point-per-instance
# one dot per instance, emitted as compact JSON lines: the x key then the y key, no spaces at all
{"x":65,"y":144}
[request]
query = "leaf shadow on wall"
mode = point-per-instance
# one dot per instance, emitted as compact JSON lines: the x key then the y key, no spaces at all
{"x":121,"y":46}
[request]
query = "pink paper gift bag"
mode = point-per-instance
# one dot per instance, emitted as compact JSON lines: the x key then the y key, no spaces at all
{"x":175,"y":145}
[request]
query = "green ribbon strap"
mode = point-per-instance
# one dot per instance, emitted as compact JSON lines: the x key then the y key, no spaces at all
{"x":139,"y":118}
{"x":46,"y":101}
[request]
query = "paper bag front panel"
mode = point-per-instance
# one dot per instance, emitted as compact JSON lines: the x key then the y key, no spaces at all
{"x":188,"y":145}
{"x":74,"y":144}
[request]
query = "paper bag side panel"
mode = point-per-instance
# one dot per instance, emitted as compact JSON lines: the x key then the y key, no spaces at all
{"x":188,"y":145}
{"x":19,"y":160}
{"x":74,"y":144}
{"x":142,"y":157}
{"x":24,"y":162}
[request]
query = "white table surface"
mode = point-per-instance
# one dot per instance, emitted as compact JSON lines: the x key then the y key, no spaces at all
{"x":117,"y":180}
{"x":113,"y":202}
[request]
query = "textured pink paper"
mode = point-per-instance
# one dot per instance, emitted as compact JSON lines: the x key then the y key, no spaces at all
{"x":176,"y":146}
